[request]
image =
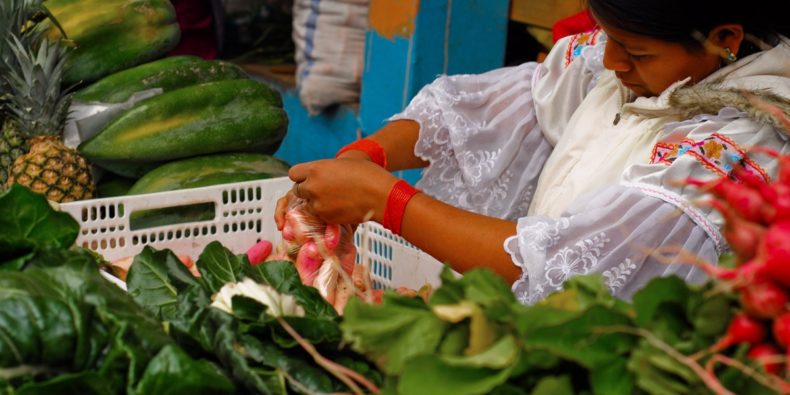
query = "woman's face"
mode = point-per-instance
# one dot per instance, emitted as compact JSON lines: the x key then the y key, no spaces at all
{"x":648,"y":66}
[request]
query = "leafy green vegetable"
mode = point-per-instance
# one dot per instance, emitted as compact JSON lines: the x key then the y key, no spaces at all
{"x":219,"y":266}
{"x":28,"y":223}
{"x":173,"y":372}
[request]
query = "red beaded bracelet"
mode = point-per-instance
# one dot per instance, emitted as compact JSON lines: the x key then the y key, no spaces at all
{"x":398,"y":198}
{"x":370,"y":147}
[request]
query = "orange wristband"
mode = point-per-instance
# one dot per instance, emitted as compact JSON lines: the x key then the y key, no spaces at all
{"x":398,"y":198}
{"x":370,"y":147}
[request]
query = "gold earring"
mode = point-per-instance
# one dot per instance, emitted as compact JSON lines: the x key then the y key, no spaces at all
{"x":731,"y":57}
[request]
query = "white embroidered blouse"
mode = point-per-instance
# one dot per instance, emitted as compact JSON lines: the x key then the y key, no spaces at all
{"x":588,"y":171}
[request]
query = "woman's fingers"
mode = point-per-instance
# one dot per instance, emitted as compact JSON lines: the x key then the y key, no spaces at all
{"x":281,"y":208}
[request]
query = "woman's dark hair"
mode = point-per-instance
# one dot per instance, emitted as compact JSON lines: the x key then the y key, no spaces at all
{"x":682,"y":21}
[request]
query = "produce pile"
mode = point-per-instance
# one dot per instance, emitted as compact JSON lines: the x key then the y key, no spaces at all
{"x":85,"y":86}
{"x":241,"y":327}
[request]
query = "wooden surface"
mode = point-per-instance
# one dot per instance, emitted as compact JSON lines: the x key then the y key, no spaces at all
{"x":543,"y":13}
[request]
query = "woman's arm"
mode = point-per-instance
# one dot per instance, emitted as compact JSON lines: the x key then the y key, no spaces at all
{"x":353,"y":191}
{"x":397,"y":138}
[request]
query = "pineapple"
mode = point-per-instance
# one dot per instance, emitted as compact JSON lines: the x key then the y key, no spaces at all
{"x":38,"y":108}
{"x":15,"y":19}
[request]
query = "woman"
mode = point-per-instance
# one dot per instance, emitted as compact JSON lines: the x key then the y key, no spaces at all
{"x":545,"y":171}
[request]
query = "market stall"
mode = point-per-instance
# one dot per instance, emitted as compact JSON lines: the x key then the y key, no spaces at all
{"x":138,"y":254}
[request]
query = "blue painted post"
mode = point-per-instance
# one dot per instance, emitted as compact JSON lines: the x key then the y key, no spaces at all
{"x":432,"y":38}
{"x":408,"y":44}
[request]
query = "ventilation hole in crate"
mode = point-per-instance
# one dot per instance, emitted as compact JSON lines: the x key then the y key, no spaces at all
{"x":242,"y":226}
{"x":258,"y":193}
{"x":84,"y":214}
{"x":170,"y":235}
{"x":233,"y":197}
{"x":179,"y":234}
{"x":103,"y":244}
{"x":94,"y":245}
{"x":213,"y":230}
{"x":113,"y":244}
{"x":187,"y":232}
{"x":225,"y":197}
{"x":93,"y":214}
{"x":84,"y":231}
{"x":225,"y":228}
{"x":84,"y":244}
{"x":102,"y":212}
{"x":144,"y":239}
{"x":135,"y":240}
{"x":240,"y":194}
{"x":122,"y":242}
{"x":388,"y":252}
{"x":258,"y":226}
{"x":121,"y":210}
{"x":234,"y":226}
{"x":378,"y":285}
{"x":251,"y":193}
{"x":258,"y":210}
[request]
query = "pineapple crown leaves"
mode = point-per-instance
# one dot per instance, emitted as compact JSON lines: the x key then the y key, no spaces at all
{"x":38,"y":104}
{"x":17,"y":19}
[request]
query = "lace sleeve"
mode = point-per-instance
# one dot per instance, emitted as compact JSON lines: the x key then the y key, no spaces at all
{"x":481,"y":138}
{"x":617,"y":233}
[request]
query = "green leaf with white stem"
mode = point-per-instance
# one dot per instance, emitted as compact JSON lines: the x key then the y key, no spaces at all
{"x":155,"y":279}
{"x":219,"y":266}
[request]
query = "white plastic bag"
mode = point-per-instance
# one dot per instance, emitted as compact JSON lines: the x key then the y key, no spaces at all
{"x":330,"y":41}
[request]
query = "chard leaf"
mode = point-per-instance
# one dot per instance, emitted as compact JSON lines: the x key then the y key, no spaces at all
{"x":612,"y":378}
{"x":219,"y":266}
{"x":173,"y":372}
{"x":665,"y":290}
{"x":305,"y":373}
{"x":29,"y":223}
{"x":500,"y":355}
{"x":554,"y":385}
{"x":587,"y":339}
{"x":284,"y":278}
{"x":83,"y":383}
{"x":481,"y":287}
{"x":446,"y":379}
{"x":149,"y":284}
{"x":392,"y":333}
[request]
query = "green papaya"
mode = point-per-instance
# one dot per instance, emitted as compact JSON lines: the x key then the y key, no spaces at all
{"x":168,"y":74}
{"x":113,"y":35}
{"x":208,"y":170}
{"x":199,"y":172}
{"x":220,"y":116}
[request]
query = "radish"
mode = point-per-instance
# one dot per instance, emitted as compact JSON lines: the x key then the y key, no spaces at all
{"x":747,"y":202}
{"x":765,"y":354}
{"x":781,"y":329}
{"x":326,"y":281}
{"x":308,"y":261}
{"x":764,"y":299}
{"x":742,"y":329}
{"x":774,"y":252}
{"x":743,"y":236}
{"x":259,"y":252}
{"x":332,"y":236}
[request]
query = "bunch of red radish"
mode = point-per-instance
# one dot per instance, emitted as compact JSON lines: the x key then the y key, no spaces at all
{"x":757,"y":215}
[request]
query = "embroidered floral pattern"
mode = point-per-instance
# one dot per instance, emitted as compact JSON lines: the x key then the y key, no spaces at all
{"x":544,"y":235}
{"x":616,"y":277}
{"x":578,"y":42}
{"x":576,"y":260}
{"x":716,"y":153}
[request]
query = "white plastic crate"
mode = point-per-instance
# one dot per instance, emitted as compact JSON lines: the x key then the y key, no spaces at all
{"x":243,"y":215}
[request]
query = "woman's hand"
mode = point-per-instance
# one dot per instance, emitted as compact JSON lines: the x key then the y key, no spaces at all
{"x":340,"y":191}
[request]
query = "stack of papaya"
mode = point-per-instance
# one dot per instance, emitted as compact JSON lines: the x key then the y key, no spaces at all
{"x":201,"y":122}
